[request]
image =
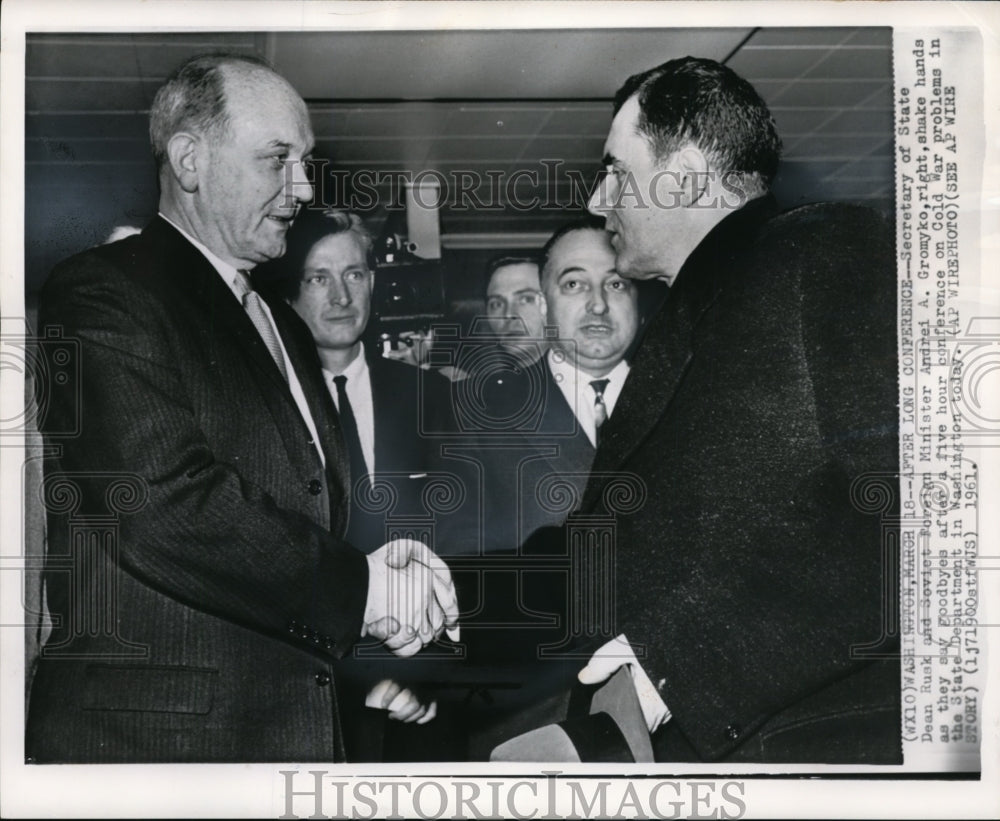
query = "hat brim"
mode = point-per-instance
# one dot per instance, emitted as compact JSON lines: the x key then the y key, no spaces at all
{"x":612,"y":729}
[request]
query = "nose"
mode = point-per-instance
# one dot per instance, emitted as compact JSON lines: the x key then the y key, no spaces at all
{"x":300,"y":189}
{"x":338,"y":292}
{"x":598,"y":303}
{"x":599,"y":202}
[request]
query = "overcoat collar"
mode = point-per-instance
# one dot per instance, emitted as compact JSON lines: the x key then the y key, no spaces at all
{"x":666,"y":350}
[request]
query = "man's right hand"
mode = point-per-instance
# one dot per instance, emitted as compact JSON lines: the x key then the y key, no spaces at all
{"x":411,"y":597}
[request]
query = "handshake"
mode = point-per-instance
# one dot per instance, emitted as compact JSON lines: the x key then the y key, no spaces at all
{"x":411,"y":597}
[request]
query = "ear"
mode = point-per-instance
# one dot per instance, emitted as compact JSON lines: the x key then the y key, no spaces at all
{"x":182,"y":152}
{"x":694,"y":168}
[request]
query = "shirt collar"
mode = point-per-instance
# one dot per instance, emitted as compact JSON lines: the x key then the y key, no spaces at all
{"x":561,"y":365}
{"x":356,"y":370}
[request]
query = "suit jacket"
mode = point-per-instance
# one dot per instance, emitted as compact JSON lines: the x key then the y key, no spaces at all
{"x":529,"y":462}
{"x":752,"y":457}
{"x":530,"y":454}
{"x":409,"y":407}
{"x":197,"y":569}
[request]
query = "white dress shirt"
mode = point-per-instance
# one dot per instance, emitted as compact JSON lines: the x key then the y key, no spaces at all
{"x":575,"y":386}
{"x":230,"y":275}
{"x":359,"y":394}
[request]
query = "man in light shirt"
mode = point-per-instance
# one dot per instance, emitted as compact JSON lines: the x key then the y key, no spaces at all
{"x":328,"y":278}
{"x":596,"y":312}
{"x":534,"y":475}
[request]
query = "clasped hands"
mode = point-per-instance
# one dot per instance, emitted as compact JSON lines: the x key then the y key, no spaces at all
{"x":411,"y":597}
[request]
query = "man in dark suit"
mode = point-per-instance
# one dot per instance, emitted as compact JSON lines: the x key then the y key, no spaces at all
{"x":328,"y":278}
{"x":202,"y":626}
{"x":534,"y":473}
{"x":515,"y":309}
{"x":753,"y":601}
{"x":595,"y":315}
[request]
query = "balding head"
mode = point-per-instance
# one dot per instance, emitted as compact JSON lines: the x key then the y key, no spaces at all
{"x":232,"y":138}
{"x":194,"y":97}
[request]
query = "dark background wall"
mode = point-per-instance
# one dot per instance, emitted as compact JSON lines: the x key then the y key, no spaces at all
{"x":469,"y":103}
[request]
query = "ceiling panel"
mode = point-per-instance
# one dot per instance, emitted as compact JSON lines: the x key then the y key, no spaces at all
{"x":871,"y":37}
{"x":854,"y":63}
{"x":830,"y":93}
{"x":584,"y":120}
{"x":511,"y":65}
{"x":467,"y":105}
{"x":783,"y":63}
{"x":815,"y":146}
{"x":802,"y":37}
{"x":862,"y":121}
{"x":103,"y":94}
{"x":497,"y":120}
{"x":150,"y":56}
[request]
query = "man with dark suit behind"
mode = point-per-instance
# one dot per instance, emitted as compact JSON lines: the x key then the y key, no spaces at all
{"x":205,"y":627}
{"x":535,"y":473}
{"x":759,"y":413}
{"x":328,"y":277}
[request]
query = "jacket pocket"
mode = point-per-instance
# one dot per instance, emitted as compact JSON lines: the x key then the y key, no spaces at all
{"x":149,"y":688}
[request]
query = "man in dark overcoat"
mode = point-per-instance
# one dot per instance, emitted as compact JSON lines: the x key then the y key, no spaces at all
{"x":754,"y":586}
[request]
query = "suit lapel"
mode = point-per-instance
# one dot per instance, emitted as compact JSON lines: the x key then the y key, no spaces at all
{"x":192,"y":282}
{"x":305,"y":361}
{"x":384,"y":413}
{"x":193,"y":275}
{"x":560,"y":417}
{"x":668,"y":348}
{"x":651,"y":383}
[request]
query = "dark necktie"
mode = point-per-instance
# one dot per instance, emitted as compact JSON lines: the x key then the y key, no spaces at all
{"x":251,"y":304}
{"x":350,"y":428}
{"x":600,"y":409}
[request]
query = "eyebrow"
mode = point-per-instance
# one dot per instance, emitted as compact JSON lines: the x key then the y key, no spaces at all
{"x":284,"y":145}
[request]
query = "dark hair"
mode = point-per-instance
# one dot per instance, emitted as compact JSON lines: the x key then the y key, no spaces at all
{"x":285,"y":274}
{"x":584,"y":223}
{"x":704,"y":102}
{"x":502,"y":262}
{"x":194,"y":98}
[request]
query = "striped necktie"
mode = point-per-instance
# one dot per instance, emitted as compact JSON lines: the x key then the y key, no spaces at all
{"x":600,"y":409}
{"x":255,"y":310}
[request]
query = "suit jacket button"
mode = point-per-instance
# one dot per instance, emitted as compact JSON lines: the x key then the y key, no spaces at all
{"x":315,"y":487}
{"x":322,"y":678}
{"x":733,"y":732}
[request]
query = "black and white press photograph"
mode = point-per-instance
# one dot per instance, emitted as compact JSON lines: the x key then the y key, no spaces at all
{"x":403,"y":393}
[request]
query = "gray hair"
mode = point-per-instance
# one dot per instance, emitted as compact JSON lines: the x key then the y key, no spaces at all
{"x":194,"y":99}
